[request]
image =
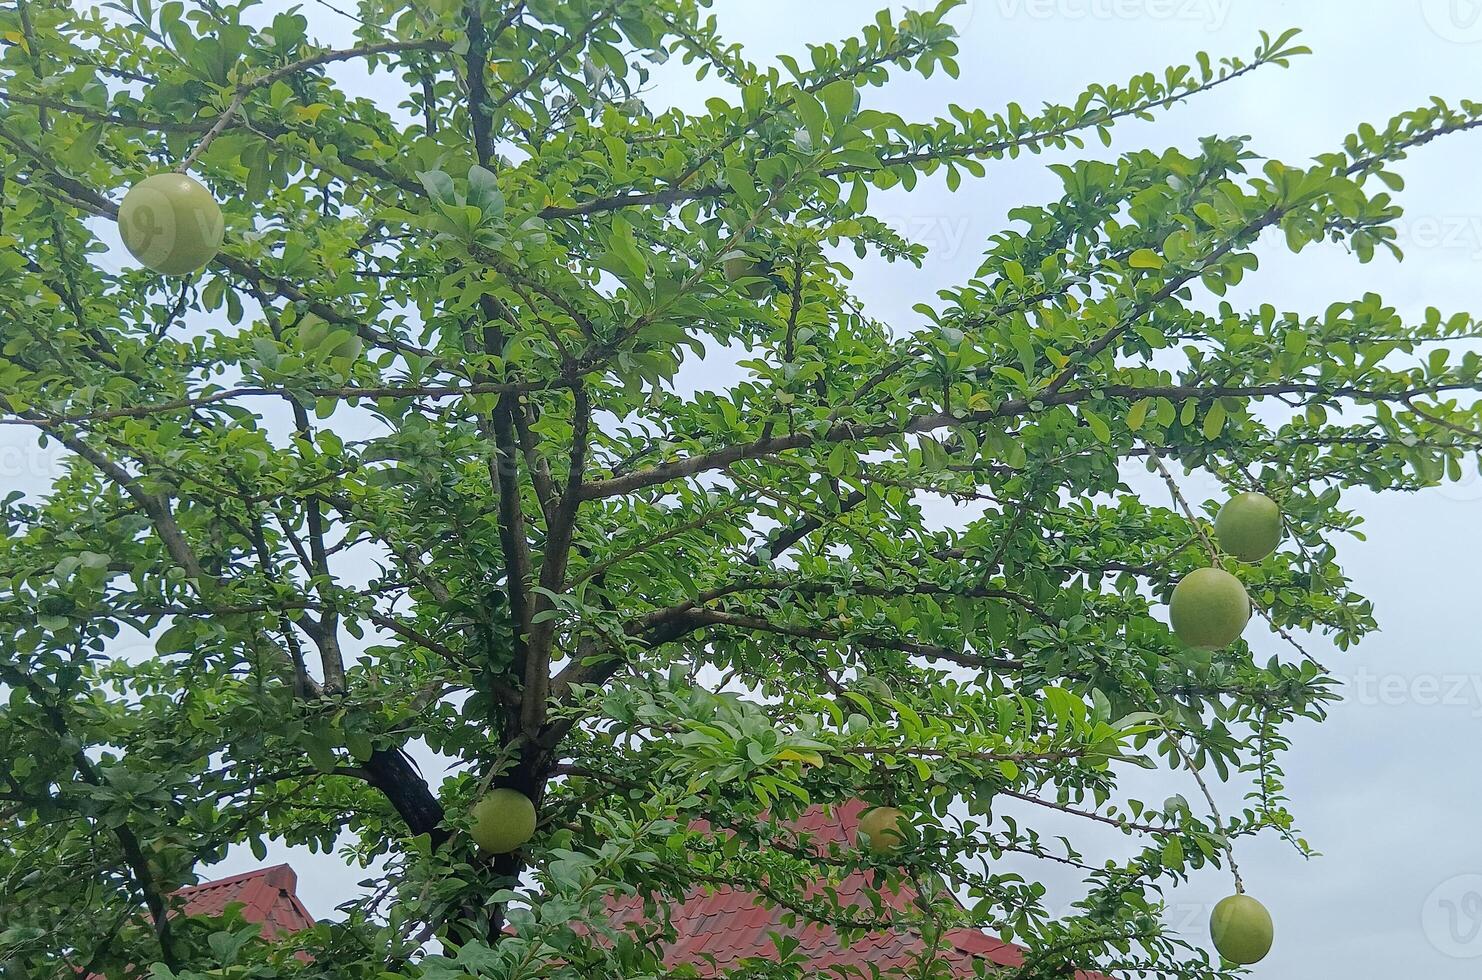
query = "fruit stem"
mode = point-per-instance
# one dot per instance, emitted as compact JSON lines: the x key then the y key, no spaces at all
{"x":1214,"y":554}
{"x":1214,"y":807}
{"x":1183,"y":504}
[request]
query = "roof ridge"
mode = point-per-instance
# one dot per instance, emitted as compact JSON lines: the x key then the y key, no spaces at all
{"x":265,"y":896}
{"x":727,"y":921}
{"x":731,"y":921}
{"x":189,"y":890}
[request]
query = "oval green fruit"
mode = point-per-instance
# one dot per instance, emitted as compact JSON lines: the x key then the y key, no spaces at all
{"x":503,"y":821}
{"x":1209,"y":609}
{"x":1249,"y":526}
{"x":1242,"y":930}
{"x":881,"y":830}
{"x":171,"y":224}
{"x":756,"y":273}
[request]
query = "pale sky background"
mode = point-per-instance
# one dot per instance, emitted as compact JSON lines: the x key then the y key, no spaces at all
{"x":1387,"y":789}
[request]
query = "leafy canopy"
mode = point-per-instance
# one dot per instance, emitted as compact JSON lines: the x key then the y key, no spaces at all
{"x":519,"y":533}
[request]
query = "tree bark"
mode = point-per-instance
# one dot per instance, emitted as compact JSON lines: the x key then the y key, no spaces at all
{"x":392,"y":772}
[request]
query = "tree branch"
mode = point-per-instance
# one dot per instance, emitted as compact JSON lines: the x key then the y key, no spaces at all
{"x":695,"y":618}
{"x":128,"y":841}
{"x":1010,"y":408}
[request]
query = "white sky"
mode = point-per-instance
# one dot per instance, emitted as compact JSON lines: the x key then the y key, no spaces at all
{"x":1383,"y":789}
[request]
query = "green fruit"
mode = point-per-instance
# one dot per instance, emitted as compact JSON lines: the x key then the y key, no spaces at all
{"x":503,"y":821}
{"x":756,"y":273}
{"x":1242,"y":930}
{"x":1209,"y":609}
{"x":171,"y":224}
{"x":1249,"y":526}
{"x":882,"y":830}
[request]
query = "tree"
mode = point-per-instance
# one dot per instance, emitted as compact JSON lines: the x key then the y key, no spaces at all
{"x":513,"y":528}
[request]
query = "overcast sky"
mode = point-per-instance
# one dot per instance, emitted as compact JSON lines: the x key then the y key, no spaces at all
{"x":1388,"y":788}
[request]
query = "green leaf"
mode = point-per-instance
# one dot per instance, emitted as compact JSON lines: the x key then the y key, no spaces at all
{"x":438,"y":184}
{"x":1138,"y":413}
{"x":1097,"y":425}
{"x":360,"y":745}
{"x":321,"y":752}
{"x":484,"y":193}
{"x":813,"y":116}
{"x":1214,"y":420}
{"x":1145,"y":258}
{"x":840,"y":459}
{"x":838,"y":101}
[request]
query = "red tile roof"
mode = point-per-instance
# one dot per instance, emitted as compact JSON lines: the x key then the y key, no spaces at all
{"x":730,"y":924}
{"x":725,"y":923}
{"x":266,"y":896}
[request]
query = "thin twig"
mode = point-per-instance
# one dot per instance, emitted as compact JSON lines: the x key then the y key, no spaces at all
{"x":313,"y":61}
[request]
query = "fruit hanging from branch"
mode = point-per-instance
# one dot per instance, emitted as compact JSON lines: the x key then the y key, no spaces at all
{"x":754,"y":275}
{"x":503,"y":821}
{"x":1209,"y":609}
{"x":882,"y":831}
{"x":1249,"y":526}
{"x":171,"y":224}
{"x":1242,"y":930}
{"x":559,"y":542}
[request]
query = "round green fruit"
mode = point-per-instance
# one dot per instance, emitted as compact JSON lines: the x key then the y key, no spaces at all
{"x":882,"y":830}
{"x":1209,"y":609}
{"x":756,"y":273}
{"x":503,"y":821}
{"x":1249,"y":526}
{"x":171,"y":224}
{"x":1242,"y":930}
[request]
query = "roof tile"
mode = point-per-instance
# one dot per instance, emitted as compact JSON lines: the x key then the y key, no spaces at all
{"x":267,"y":896}
{"x":726,"y":923}
{"x":731,"y":924}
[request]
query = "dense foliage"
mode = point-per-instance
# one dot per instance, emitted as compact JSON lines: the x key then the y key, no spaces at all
{"x":520,"y":531}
